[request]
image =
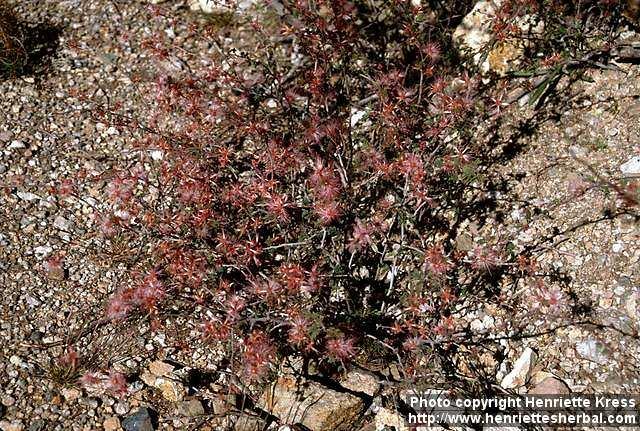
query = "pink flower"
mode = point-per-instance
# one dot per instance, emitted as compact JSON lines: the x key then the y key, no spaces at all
{"x":411,"y":165}
{"x":484,"y":258}
{"x":361,"y":236}
{"x":412,"y":344}
{"x":268,"y":290}
{"x":149,"y":292}
{"x":292,"y":276}
{"x":108,"y":225}
{"x":119,"y":306}
{"x":69,"y":357}
{"x":433,"y":51}
{"x":258,"y":355}
{"x":299,"y":332}
{"x":341,"y":348}
{"x":235,"y":305}
{"x":120,"y":190}
{"x":313,"y":283}
{"x":328,"y":212}
{"x":324,"y":182}
{"x":277,"y":207}
{"x":66,"y":188}
{"x":436,"y":261}
{"x":116,"y":383}
{"x":214,"y":330}
{"x":89,"y":380}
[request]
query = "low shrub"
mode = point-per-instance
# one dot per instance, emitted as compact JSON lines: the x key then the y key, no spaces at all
{"x":301,"y":189}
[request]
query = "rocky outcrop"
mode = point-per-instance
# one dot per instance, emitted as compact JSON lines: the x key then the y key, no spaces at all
{"x":295,"y":400}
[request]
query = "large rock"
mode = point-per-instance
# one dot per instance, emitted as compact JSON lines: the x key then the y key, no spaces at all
{"x":139,"y":421}
{"x":171,"y":390}
{"x":593,"y":350}
{"x":474,"y":32}
{"x":522,"y":369}
{"x":161,"y":375}
{"x":299,"y":401}
{"x":111,"y":424}
{"x":159,"y":368}
{"x":631,"y":167}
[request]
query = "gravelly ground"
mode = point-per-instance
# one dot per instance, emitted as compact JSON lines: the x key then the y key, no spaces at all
{"x":599,"y":259}
{"x":47,"y":134}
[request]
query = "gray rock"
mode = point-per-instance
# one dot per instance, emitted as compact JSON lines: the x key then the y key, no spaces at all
{"x":27,"y":196}
{"x":139,"y":421}
{"x":38,"y":425}
{"x":121,"y":408}
{"x":631,"y":166}
{"x":190,"y":408}
{"x":63,"y":224}
{"x":5,"y":136}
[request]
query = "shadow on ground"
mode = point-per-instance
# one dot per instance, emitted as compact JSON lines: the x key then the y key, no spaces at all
{"x":40,"y":42}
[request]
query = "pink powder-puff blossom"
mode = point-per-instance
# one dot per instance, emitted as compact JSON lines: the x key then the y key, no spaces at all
{"x":341,"y":348}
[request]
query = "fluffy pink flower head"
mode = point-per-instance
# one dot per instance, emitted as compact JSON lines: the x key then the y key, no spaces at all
{"x":328,"y":212}
{"x":341,"y":348}
{"x":313,"y":282}
{"x":235,"y":305}
{"x":108,"y":225}
{"x":258,"y":355}
{"x":411,"y":165}
{"x":116,"y":383}
{"x":412,"y":344}
{"x":149,"y":292}
{"x":299,"y":332}
{"x":292,"y":276}
{"x":484,"y":258}
{"x":436,"y":261}
{"x":66,"y":188}
{"x":89,"y":380}
{"x":361,"y":236}
{"x":120,"y":189}
{"x":277,"y":207}
{"x":324,"y":182}
{"x":433,"y":51}
{"x":214,"y":330}
{"x":119,"y":306}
